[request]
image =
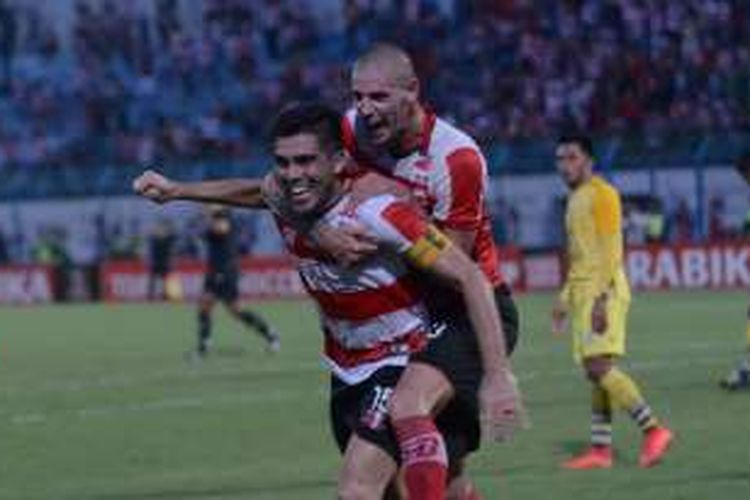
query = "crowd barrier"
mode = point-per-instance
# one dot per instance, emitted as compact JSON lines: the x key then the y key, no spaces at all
{"x":649,"y":267}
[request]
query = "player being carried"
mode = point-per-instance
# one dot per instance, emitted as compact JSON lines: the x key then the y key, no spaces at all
{"x":374,"y":321}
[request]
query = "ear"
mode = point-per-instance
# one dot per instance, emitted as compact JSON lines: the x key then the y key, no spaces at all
{"x":413,"y":88}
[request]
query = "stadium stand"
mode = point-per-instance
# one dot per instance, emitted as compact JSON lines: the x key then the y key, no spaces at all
{"x":659,"y":82}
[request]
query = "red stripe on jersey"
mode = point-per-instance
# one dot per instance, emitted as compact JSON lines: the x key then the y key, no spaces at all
{"x":408,"y":343}
{"x":299,"y":245}
{"x":367,"y":304}
{"x":467,"y":189}
{"x":406,"y":220}
{"x":485,"y":253}
{"x":347,"y":136}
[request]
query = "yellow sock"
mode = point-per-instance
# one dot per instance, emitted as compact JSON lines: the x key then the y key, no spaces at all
{"x":601,"y":417}
{"x":747,"y":334}
{"x":600,"y":402}
{"x":624,"y":393}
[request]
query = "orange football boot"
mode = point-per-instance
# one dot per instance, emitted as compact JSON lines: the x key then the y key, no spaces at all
{"x":596,"y":457}
{"x":655,"y":445}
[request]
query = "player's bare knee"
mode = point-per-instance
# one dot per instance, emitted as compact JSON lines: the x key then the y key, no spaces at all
{"x":597,"y":367}
{"x":404,"y":403}
{"x":459,"y":489}
{"x":354,"y":488}
{"x":460,"y":486}
{"x":421,"y":390}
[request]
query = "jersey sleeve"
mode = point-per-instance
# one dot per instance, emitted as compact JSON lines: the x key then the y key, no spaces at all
{"x":608,"y":227}
{"x":460,"y":190}
{"x":399,"y":226}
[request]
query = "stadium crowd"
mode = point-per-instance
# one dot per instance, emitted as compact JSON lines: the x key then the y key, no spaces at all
{"x":133,"y":88}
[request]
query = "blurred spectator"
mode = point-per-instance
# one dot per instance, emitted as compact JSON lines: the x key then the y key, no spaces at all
{"x":505,"y":70}
{"x":746,"y":224}
{"x":189,"y":242}
{"x":123,"y":245}
{"x":137,"y":87}
{"x":655,"y":222}
{"x":4,"y":253}
{"x":50,"y":250}
{"x":638,"y":222}
{"x":717,"y":229}
{"x":160,"y":243}
{"x":167,"y":22}
{"x":682,"y":223}
{"x":505,"y":222}
{"x":8,"y":33}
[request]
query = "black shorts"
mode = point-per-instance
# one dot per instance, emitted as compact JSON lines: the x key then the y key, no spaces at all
{"x":362,"y":409}
{"x":223,"y":285}
{"x":454,"y":350}
{"x":506,"y":306}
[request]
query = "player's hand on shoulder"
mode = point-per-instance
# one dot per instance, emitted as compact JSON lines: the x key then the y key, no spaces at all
{"x":154,"y":186}
{"x":349,"y":244}
{"x":502,"y":410}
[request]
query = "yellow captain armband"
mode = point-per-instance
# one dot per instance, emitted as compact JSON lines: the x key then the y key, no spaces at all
{"x":428,"y":248}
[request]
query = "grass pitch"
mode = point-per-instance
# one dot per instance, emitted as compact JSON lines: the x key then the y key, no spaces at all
{"x":98,"y":402}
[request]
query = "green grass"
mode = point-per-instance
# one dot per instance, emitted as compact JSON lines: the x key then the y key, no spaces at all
{"x":97,"y":402}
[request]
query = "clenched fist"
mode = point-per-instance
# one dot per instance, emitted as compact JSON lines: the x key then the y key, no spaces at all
{"x":155,"y":187}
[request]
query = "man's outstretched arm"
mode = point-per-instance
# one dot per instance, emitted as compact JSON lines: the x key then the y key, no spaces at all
{"x":246,"y":193}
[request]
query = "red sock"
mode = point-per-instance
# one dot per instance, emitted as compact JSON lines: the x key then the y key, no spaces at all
{"x":423,"y":457}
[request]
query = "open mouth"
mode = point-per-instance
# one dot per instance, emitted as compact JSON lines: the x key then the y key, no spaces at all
{"x":377,"y":128}
{"x":300,"y":194}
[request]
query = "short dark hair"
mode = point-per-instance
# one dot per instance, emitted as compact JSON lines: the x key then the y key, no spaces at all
{"x":584,"y":142}
{"x":314,"y":118}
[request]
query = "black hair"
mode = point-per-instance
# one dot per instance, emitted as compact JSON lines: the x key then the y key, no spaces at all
{"x":314,"y":118}
{"x":584,"y":142}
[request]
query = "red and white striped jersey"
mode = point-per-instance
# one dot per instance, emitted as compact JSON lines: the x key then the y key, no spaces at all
{"x":447,"y":175}
{"x":372,"y":314}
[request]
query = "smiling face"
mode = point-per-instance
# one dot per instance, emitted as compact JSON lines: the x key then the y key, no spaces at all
{"x":573,"y":164}
{"x":386,"y":102}
{"x":306,"y":172}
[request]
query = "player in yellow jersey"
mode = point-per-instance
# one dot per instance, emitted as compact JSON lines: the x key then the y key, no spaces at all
{"x":739,"y":377}
{"x":594,"y":302}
